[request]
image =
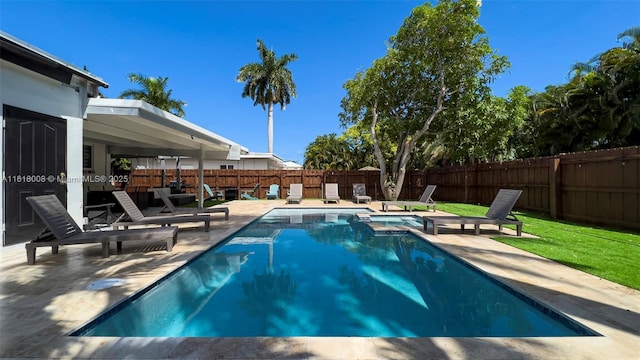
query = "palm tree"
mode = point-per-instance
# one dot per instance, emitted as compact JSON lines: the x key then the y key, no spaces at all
{"x":268,"y":83}
{"x":154,"y":91}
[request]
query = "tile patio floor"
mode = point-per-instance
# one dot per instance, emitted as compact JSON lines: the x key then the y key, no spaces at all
{"x":42,"y":303}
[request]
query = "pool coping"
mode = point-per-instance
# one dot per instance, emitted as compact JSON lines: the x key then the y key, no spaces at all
{"x":38,"y":309}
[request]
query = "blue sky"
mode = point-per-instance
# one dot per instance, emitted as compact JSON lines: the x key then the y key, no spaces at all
{"x":201,"y":45}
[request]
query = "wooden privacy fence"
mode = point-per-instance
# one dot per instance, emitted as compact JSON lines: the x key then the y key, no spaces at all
{"x":598,"y":187}
{"x":235,"y":181}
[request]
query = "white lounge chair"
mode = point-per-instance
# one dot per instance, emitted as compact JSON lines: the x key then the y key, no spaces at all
{"x":295,"y":194}
{"x":331,"y":193}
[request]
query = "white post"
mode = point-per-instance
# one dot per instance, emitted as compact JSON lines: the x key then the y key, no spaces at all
{"x":201,"y":178}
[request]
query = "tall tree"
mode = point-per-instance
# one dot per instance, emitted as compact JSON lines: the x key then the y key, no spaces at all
{"x":154,"y":91}
{"x":268,"y":82}
{"x":485,"y":132}
{"x":439,"y":60}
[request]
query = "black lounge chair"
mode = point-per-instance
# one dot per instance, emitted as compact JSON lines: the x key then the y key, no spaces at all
{"x":135,"y":216}
{"x":63,"y":230}
{"x":499,"y":213}
{"x":425,"y":200}
{"x":173,"y":210}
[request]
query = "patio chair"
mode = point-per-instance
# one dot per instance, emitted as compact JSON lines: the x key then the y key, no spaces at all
{"x":499,"y":213}
{"x":61,"y":229}
{"x":173,"y":210}
{"x":252,"y":196}
{"x":135,"y":216}
{"x":360,"y":194}
{"x":425,"y":200}
{"x":295,"y":194}
{"x":272,"y":194}
{"x":212,"y":196}
{"x":331,"y":193}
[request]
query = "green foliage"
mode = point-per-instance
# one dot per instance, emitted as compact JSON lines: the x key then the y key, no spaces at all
{"x":328,"y":152}
{"x":154,"y":91}
{"x":487,"y":130}
{"x":439,"y":62}
{"x":598,"y":109}
{"x":605,"y":253}
{"x":207,"y":203}
{"x":120,"y":165}
{"x":268,"y":82}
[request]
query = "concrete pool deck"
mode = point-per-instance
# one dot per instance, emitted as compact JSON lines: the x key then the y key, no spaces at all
{"x":40,"y":304}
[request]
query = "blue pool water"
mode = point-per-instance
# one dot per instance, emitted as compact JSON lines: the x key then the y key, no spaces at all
{"x":306,"y":272}
{"x":395,"y":220}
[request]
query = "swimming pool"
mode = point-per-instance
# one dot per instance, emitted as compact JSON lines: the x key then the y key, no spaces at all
{"x":397,"y":220}
{"x":303,"y":272}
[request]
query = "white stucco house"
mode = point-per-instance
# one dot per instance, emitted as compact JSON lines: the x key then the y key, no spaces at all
{"x":292,"y":165}
{"x":247,"y":161}
{"x":56,"y":127}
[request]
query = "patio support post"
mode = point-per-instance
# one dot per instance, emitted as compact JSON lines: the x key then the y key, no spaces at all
{"x":201,"y":178}
{"x":163,"y":177}
{"x":178,"y":175}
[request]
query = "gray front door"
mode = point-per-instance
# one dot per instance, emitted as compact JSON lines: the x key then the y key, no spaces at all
{"x":34,"y":150}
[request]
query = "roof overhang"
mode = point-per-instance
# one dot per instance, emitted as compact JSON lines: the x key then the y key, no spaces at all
{"x":255,"y":155}
{"x":30,"y":57}
{"x":133,"y":128}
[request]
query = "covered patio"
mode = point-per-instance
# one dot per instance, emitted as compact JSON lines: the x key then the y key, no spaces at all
{"x":136,"y":129}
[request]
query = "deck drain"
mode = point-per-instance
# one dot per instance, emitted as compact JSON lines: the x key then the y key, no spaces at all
{"x":105,"y":284}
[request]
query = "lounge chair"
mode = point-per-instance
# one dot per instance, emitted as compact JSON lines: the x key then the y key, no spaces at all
{"x":63,"y":230}
{"x":331,"y":193}
{"x":135,"y":216}
{"x":252,"y":196}
{"x":212,"y":196}
{"x":425,"y":200}
{"x":168,"y":206}
{"x":272,"y":194}
{"x":499,"y":213}
{"x":295,"y":194}
{"x":360,"y":194}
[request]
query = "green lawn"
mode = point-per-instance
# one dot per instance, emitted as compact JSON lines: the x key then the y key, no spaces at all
{"x":610,"y":254}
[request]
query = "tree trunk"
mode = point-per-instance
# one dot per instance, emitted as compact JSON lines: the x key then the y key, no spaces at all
{"x":270,"y":128}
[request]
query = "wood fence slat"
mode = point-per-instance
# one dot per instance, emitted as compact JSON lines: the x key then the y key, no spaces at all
{"x":599,"y":187}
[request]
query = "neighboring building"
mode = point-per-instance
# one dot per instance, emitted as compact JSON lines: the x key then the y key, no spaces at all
{"x":247,"y":161}
{"x":292,"y":165}
{"x":56,"y":127}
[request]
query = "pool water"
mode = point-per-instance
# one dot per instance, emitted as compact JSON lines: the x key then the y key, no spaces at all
{"x":395,"y":220}
{"x":304,"y":272}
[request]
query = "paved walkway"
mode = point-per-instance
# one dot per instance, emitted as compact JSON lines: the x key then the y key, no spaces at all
{"x":42,"y":303}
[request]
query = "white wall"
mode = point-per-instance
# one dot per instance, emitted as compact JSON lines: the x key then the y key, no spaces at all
{"x":189,"y":163}
{"x":28,"y":90}
{"x":184,"y":164}
{"x":31,"y":91}
{"x":255,"y":164}
{"x":75,"y":185}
